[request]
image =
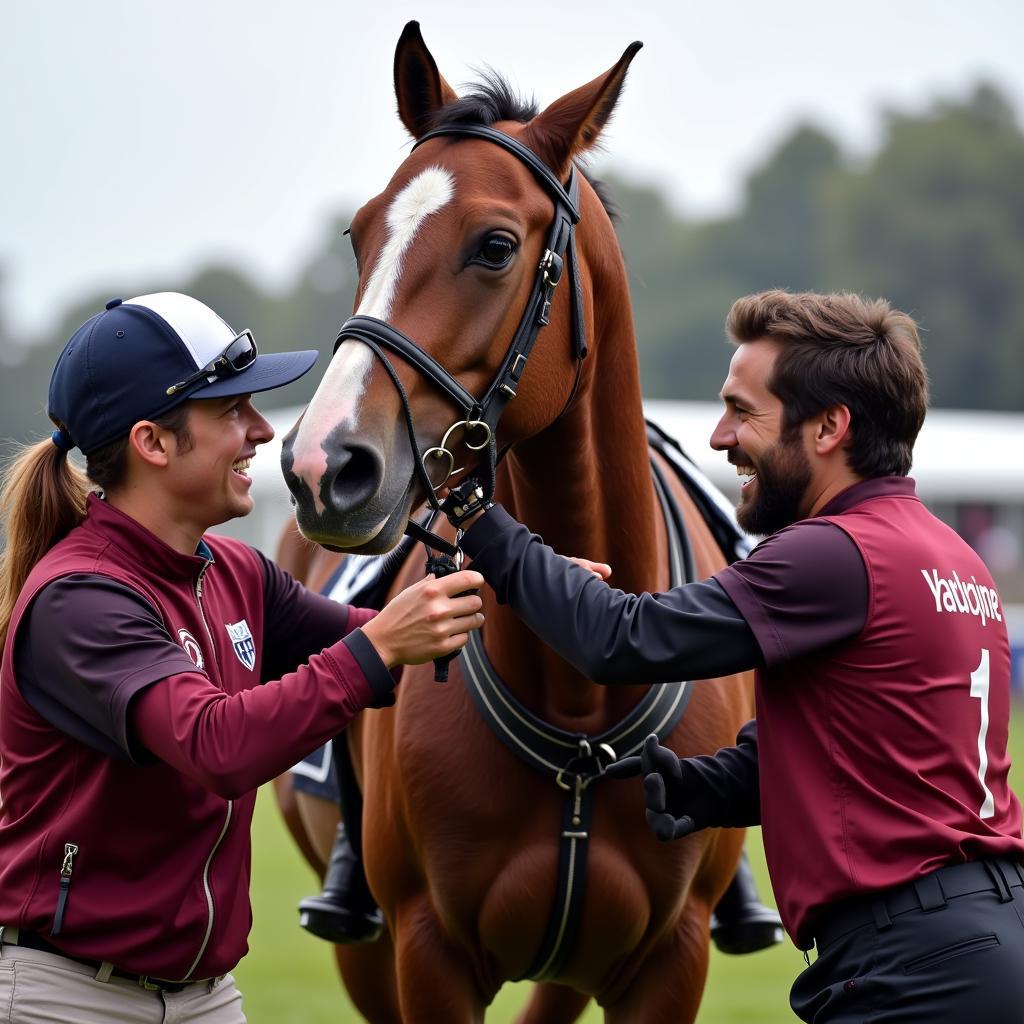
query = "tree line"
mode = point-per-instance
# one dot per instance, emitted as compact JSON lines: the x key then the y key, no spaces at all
{"x":933,"y":220}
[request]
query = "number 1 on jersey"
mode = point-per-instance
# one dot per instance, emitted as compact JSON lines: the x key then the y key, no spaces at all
{"x":979,"y":689}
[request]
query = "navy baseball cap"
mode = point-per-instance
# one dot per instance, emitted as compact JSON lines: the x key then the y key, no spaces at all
{"x":141,"y":357}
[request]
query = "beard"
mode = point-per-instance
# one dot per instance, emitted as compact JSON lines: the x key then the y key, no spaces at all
{"x":783,"y":476}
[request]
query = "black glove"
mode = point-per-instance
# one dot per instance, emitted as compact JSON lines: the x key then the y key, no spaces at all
{"x":686,"y":794}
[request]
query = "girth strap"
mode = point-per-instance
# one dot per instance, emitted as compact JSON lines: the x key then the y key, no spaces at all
{"x":564,"y":923}
{"x":576,"y":760}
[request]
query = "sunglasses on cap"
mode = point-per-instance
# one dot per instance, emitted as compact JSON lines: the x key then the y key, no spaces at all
{"x":239,"y":355}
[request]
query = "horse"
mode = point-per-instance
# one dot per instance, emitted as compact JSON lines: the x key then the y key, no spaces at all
{"x":463,"y":841}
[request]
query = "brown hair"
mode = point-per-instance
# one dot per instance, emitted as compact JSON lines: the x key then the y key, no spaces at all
{"x":43,"y":496}
{"x":843,"y":349}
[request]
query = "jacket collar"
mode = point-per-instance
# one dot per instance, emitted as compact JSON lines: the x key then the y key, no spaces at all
{"x":140,"y":546}
{"x":865,"y":490}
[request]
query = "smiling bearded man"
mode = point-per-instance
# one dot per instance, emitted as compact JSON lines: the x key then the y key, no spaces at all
{"x":772,"y":494}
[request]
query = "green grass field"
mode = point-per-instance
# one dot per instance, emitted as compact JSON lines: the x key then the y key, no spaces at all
{"x":289,"y":977}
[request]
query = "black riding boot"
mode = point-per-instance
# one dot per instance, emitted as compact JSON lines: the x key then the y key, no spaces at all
{"x":741,"y":923}
{"x":345,"y":911}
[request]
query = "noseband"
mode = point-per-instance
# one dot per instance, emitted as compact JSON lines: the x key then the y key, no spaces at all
{"x":480,"y":417}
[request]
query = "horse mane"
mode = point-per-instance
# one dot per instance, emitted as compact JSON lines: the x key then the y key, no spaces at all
{"x":493,"y":99}
{"x":484,"y":102}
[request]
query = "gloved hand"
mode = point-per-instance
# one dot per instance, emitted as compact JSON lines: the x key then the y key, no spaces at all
{"x":674,"y":804}
{"x":683,"y":795}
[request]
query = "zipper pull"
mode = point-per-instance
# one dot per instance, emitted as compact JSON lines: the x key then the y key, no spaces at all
{"x":70,"y":849}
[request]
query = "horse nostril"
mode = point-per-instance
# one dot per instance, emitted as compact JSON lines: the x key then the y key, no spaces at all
{"x":353,"y":477}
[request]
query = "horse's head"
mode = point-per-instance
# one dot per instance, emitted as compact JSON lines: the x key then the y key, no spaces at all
{"x":457,"y":258}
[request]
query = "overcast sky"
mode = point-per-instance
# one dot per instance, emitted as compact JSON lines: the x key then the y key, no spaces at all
{"x":142,"y":138}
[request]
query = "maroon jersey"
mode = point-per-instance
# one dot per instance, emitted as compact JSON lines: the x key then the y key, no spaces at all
{"x":884,"y":757}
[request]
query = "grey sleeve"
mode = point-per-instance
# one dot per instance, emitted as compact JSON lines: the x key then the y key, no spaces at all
{"x":690,"y":632}
{"x":87,"y":646}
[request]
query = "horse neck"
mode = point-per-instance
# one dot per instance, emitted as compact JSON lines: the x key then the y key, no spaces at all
{"x":595,"y":498}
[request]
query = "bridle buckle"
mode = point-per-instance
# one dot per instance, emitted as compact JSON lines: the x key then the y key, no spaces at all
{"x":442,"y":451}
{"x":551,"y":265}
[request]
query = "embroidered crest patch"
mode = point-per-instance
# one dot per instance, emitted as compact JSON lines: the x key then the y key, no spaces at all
{"x":243,"y":643}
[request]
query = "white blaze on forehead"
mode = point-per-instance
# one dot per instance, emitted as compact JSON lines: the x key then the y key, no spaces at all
{"x":337,"y":398}
{"x":340,"y":393}
{"x":425,"y":194}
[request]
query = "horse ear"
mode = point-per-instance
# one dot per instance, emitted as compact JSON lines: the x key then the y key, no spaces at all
{"x":572,"y":124}
{"x":420,"y":89}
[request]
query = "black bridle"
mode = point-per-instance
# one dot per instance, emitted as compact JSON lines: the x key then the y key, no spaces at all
{"x":480,"y":416}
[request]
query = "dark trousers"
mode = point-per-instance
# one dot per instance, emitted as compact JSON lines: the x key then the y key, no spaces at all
{"x":947,"y":948}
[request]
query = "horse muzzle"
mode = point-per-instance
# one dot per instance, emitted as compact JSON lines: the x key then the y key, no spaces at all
{"x":348,"y":497}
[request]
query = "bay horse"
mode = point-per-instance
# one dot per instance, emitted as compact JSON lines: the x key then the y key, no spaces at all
{"x":461,"y":839}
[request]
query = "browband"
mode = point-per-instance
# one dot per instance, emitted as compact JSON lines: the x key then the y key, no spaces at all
{"x":514,"y":146}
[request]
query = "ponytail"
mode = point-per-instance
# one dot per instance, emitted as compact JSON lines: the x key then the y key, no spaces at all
{"x":42,"y":497}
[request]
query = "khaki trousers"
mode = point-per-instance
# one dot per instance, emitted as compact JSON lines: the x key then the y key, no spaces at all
{"x":38,"y":987}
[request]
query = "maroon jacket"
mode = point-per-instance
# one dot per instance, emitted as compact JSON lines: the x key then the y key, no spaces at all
{"x":159,"y":840}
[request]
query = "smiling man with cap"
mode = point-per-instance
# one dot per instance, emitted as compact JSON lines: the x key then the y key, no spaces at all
{"x":133,"y":727}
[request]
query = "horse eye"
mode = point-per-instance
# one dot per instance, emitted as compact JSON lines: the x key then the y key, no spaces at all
{"x":496,"y":251}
